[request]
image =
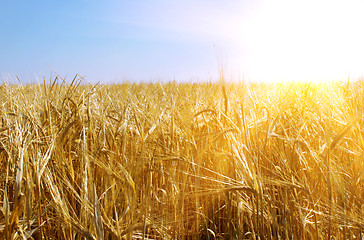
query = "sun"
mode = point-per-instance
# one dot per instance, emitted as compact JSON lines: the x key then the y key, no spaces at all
{"x":305,"y":41}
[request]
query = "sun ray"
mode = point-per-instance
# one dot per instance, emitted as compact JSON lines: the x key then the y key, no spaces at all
{"x":312,"y":40}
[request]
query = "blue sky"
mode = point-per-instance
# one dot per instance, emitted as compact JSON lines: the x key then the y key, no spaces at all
{"x":112,"y":41}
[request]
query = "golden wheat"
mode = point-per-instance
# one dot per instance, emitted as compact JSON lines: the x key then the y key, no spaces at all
{"x":182,"y":161}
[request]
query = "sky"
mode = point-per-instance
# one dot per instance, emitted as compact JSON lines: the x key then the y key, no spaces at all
{"x":115,"y":41}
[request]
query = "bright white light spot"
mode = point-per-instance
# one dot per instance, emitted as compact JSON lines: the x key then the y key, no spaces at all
{"x":306,"y":40}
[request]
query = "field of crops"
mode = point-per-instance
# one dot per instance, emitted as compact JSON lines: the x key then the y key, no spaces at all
{"x":182,"y":161}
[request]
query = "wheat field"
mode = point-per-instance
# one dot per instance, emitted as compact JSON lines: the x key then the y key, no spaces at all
{"x":182,"y":160}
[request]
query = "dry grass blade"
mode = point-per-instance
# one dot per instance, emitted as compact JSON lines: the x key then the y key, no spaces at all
{"x":343,"y":131}
{"x":97,"y":216}
{"x":42,"y":163}
{"x":6,"y":211}
{"x":17,"y":193}
{"x":150,"y":131}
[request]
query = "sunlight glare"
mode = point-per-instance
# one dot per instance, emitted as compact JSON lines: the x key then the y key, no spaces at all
{"x":308,"y":40}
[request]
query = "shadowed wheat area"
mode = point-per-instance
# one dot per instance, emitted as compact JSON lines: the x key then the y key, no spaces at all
{"x":182,"y":161}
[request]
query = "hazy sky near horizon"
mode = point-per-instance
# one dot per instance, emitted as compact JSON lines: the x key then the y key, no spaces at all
{"x":111,"y":41}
